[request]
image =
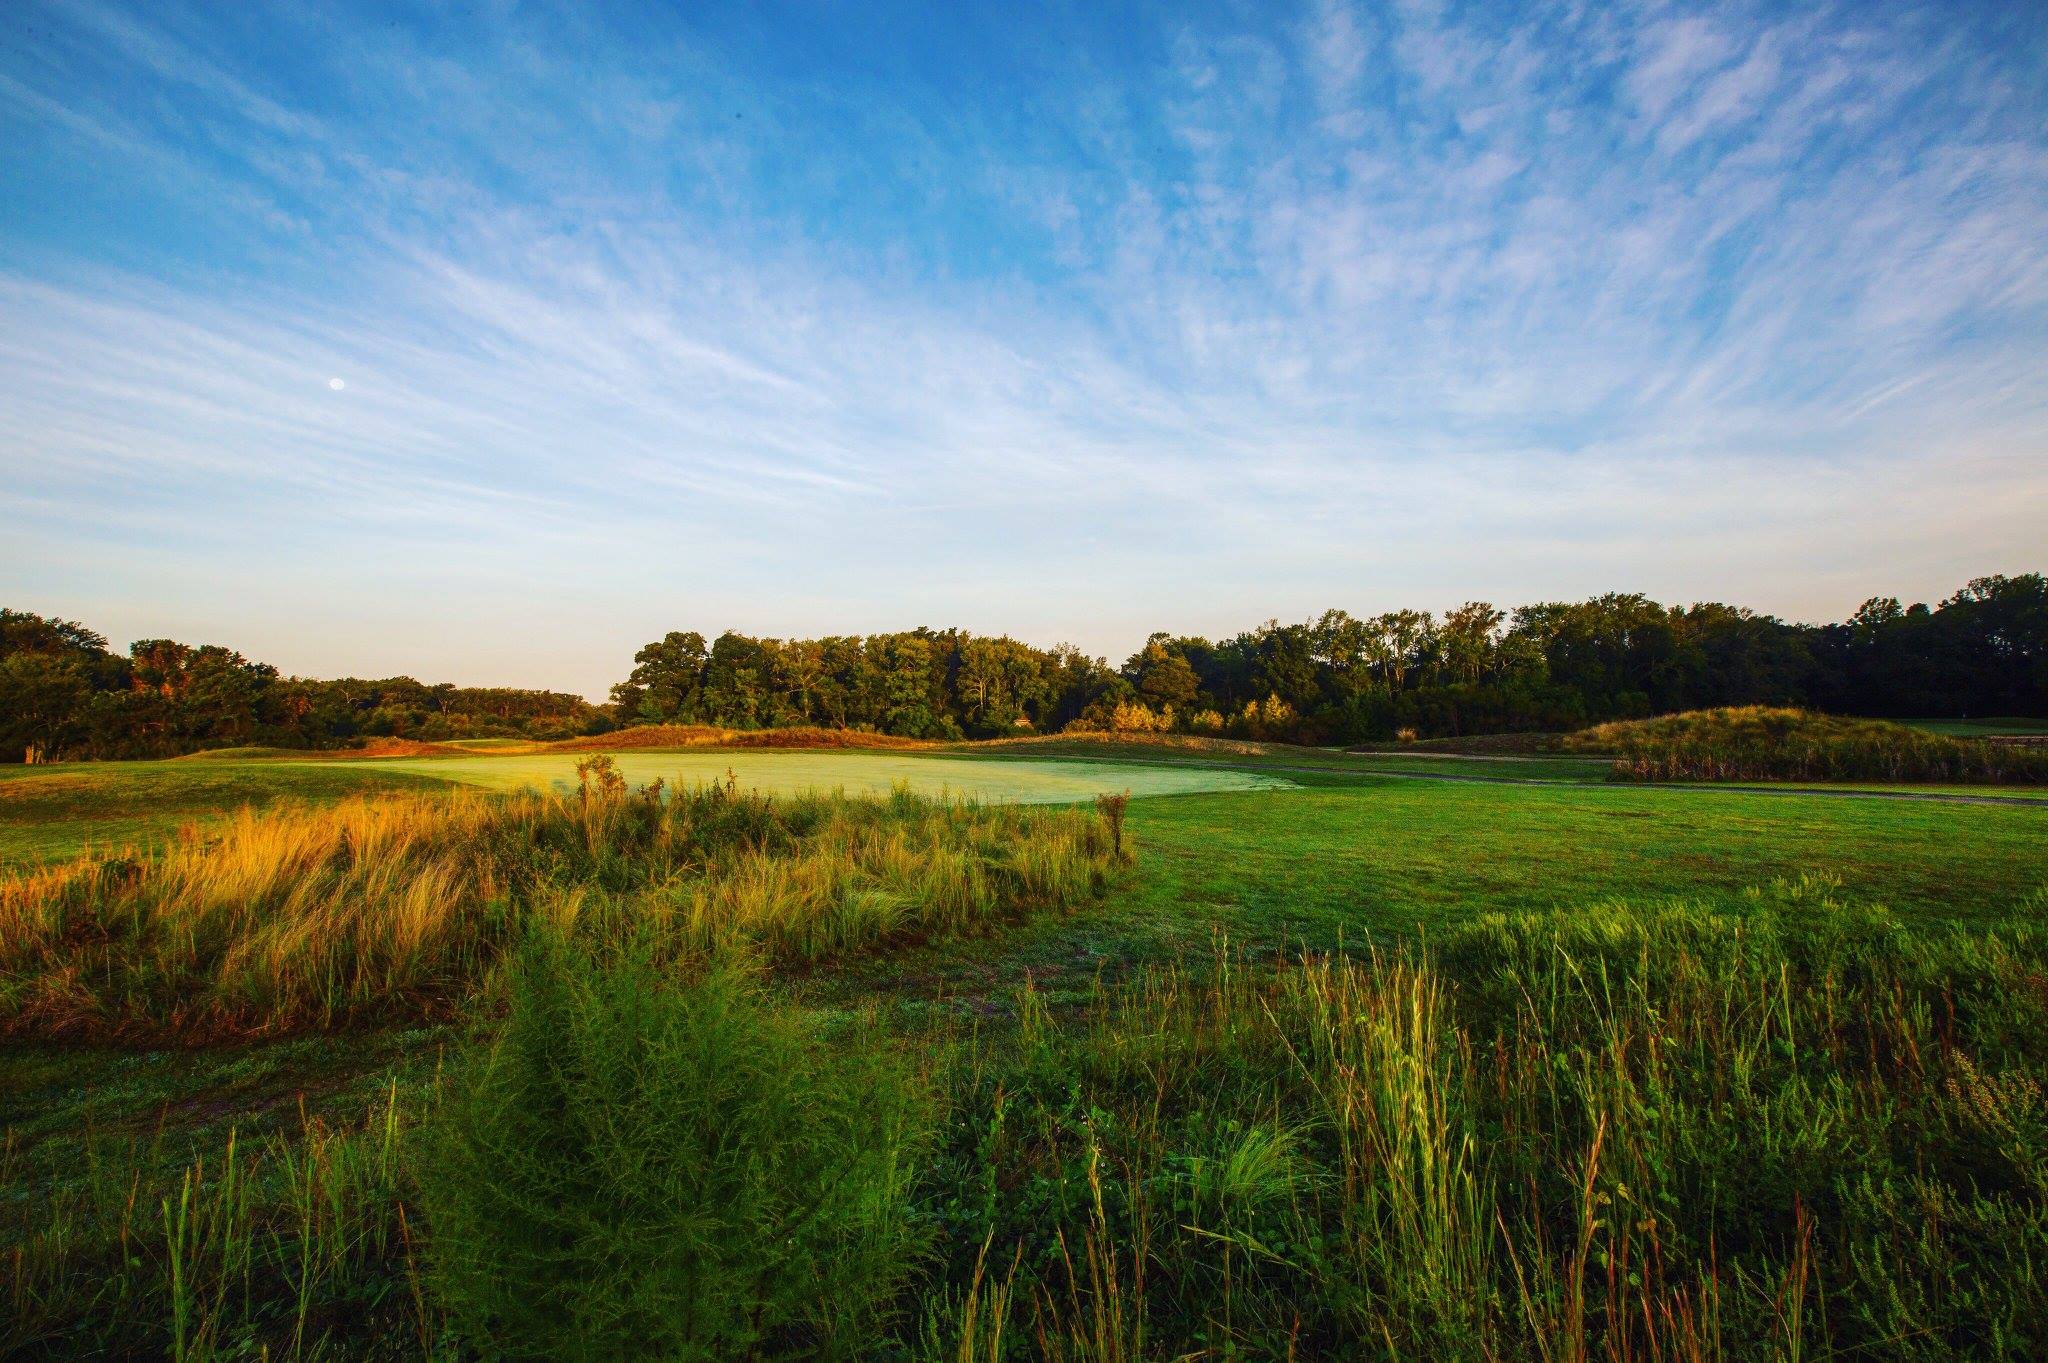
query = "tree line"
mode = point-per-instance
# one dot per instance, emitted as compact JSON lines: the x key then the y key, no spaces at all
{"x":1339,"y":678}
{"x":1342,"y":678}
{"x":63,"y":694}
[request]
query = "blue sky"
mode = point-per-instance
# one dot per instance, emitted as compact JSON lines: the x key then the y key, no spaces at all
{"x":487,"y":343}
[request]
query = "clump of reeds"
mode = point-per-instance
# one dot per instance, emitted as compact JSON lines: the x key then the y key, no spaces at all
{"x":310,"y":917}
{"x":1759,"y":743}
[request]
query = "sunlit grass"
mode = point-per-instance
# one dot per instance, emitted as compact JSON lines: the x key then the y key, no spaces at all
{"x":383,"y":907}
{"x":856,"y":773}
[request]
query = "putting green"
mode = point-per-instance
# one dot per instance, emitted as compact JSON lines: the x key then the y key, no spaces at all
{"x":1054,"y":781}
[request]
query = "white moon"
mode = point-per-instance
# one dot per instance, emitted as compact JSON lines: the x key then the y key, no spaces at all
{"x":336,"y":384}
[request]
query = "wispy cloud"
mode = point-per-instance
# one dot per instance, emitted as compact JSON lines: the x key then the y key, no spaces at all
{"x":644,"y":325}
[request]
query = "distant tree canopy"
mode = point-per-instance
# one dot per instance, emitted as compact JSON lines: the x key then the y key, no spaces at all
{"x":62,"y":694}
{"x":1338,"y":678}
{"x":1475,"y":669}
{"x":921,"y":684}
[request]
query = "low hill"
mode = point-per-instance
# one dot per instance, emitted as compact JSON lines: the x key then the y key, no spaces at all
{"x":1760,"y":743}
{"x":1084,"y":739}
{"x":644,"y":736}
{"x":1519,"y":744}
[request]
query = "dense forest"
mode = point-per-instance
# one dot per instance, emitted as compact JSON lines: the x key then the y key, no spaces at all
{"x":1339,"y":678}
{"x":62,"y":694}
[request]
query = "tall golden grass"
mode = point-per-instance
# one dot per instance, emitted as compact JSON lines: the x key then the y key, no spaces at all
{"x":387,"y":907}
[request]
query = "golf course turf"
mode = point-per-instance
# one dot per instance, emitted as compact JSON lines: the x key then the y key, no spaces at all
{"x":1253,"y":858}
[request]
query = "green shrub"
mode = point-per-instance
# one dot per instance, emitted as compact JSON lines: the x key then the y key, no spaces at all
{"x":641,"y":1168}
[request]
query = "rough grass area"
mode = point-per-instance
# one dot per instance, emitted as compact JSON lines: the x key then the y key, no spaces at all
{"x":1757,"y":743}
{"x":62,"y":810}
{"x":1481,"y":1071}
{"x":400,"y":906}
{"x":1795,"y":1127}
{"x":642,"y":1166}
{"x":1620,"y":1130}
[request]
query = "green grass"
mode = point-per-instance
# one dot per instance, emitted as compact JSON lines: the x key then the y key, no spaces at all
{"x":1398,"y":856}
{"x":1630,"y":1130}
{"x":855,"y":772}
{"x":49,"y":812}
{"x":1132,"y":1102}
{"x":401,"y":907}
{"x":55,"y":811}
{"x":1389,"y":861}
{"x":1979,"y":728}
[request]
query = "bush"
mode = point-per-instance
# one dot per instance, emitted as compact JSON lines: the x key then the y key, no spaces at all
{"x":638,"y":1169}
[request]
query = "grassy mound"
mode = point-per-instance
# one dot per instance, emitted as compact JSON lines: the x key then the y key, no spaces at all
{"x":1084,"y":740}
{"x":712,"y":736}
{"x":1476,"y":745}
{"x":401,"y":905}
{"x":1758,"y":743}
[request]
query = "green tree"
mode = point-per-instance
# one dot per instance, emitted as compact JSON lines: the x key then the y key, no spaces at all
{"x":1163,"y":676}
{"x":42,"y":703}
{"x":667,"y":681}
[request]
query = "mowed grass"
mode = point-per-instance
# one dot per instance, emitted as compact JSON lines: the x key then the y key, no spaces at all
{"x":1398,"y":856}
{"x":1979,"y":728}
{"x":793,"y":772}
{"x":1364,"y":863}
{"x":51,"y":812}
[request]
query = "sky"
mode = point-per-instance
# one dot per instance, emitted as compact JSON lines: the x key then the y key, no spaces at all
{"x":486,"y":343}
